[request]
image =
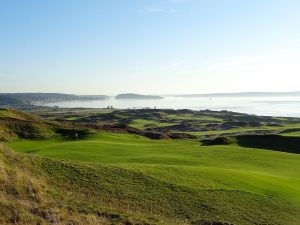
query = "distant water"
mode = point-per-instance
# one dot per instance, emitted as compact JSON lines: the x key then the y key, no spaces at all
{"x":267,"y":106}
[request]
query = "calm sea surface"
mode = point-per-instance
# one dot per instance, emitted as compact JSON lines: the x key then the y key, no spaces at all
{"x":268,"y":106}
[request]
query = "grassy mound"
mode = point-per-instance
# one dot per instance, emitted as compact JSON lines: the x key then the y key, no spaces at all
{"x":18,"y":125}
{"x":218,"y":141}
{"x":15,"y":124}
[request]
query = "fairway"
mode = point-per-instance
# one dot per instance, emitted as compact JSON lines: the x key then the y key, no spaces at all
{"x":184,"y":163}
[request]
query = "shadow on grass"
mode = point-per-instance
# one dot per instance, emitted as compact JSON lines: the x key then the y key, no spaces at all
{"x":270,"y":142}
{"x":74,"y":134}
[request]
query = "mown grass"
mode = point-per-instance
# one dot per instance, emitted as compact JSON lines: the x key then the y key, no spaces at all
{"x":142,"y":123}
{"x":247,"y":129}
{"x":293,"y":134}
{"x":193,"y":117}
{"x":180,"y":179}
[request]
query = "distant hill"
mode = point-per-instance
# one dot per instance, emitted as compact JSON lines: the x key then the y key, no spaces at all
{"x":7,"y":100}
{"x":137,"y":96}
{"x":245,"y":94}
{"x":31,"y":98}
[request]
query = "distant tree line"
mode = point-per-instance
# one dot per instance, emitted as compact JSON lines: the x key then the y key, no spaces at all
{"x":31,"y":98}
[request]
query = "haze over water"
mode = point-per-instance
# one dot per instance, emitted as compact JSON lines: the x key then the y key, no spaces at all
{"x":267,"y":106}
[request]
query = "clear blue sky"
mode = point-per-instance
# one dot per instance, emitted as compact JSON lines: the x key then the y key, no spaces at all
{"x":149,"y":46}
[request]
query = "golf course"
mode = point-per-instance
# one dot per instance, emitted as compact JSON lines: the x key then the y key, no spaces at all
{"x":128,"y":178}
{"x":165,"y":112}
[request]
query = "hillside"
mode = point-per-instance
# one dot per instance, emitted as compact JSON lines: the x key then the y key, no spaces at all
{"x":16,"y":125}
{"x":37,"y":190}
{"x":121,"y":178}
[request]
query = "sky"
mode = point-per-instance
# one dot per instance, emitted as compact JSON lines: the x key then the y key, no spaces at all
{"x":149,"y":46}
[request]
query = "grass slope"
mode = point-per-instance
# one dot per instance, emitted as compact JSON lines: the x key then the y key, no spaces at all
{"x":35,"y":190}
{"x":27,"y":198}
{"x":179,"y":180}
{"x":15,"y":124}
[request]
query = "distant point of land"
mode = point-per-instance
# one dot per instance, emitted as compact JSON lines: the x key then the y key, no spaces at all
{"x":137,"y":96}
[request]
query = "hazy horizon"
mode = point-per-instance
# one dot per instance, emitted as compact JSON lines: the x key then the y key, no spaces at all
{"x":167,"y":94}
{"x":162,"y":47}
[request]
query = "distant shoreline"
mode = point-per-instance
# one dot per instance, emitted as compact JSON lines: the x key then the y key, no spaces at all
{"x":242,"y":94}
